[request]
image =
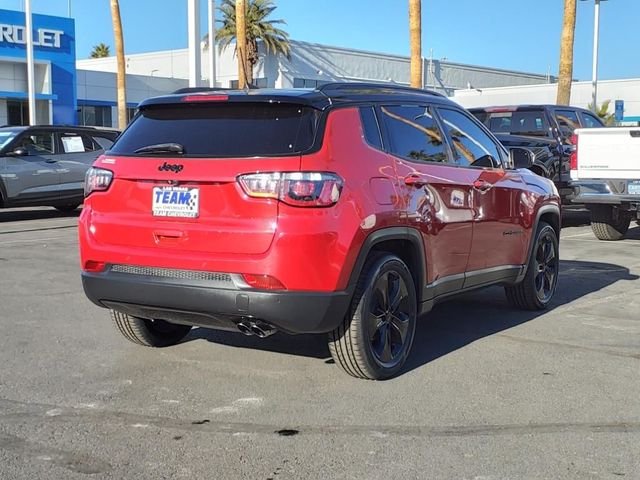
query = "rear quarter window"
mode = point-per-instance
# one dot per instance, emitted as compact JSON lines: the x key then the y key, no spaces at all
{"x":222,"y":130}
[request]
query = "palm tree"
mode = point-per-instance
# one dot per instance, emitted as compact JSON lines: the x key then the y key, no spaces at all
{"x":566,"y":53}
{"x":120,"y":76}
{"x":609,"y":119}
{"x":100,"y":50}
{"x":258,"y":28}
{"x":415,"y":32}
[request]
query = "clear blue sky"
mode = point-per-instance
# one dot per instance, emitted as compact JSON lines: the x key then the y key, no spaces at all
{"x":514,"y":34}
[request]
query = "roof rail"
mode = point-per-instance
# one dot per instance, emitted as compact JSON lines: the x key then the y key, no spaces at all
{"x":374,"y":86}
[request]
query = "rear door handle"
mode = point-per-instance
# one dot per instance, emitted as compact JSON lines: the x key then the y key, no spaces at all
{"x":51,"y":160}
{"x":482,"y":185}
{"x":414,"y":180}
{"x":634,"y":133}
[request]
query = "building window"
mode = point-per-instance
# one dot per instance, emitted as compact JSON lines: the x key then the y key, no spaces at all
{"x":17,"y":112}
{"x":258,"y":82}
{"x":308,"y":83}
{"x":95,"y":115}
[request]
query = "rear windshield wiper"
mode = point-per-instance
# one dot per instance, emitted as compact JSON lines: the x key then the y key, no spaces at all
{"x":162,"y":148}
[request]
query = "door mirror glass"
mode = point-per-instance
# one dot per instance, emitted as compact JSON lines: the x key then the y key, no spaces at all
{"x":521,"y":157}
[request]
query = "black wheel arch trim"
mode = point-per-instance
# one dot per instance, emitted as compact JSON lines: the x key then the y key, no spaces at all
{"x":544,"y":209}
{"x":389,"y":234}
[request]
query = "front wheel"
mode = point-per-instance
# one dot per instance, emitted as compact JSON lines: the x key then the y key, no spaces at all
{"x":149,"y":333}
{"x":539,"y":285}
{"x":374,"y":340}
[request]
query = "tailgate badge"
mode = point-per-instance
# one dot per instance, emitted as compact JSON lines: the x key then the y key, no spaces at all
{"x":168,"y":167}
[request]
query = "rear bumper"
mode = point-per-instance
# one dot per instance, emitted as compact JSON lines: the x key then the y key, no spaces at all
{"x":608,"y":192}
{"x":203,"y":303}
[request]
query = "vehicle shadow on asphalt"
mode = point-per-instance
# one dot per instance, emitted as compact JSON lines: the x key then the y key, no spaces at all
{"x":456,"y":323}
{"x":40,"y":214}
{"x":451,"y":325}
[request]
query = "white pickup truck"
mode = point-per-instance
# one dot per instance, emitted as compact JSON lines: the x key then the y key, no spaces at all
{"x":605,"y":175}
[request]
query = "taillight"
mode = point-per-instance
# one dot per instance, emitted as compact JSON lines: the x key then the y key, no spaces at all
{"x":300,"y":189}
{"x":93,"y":266}
{"x":263,"y":282}
{"x":573,"y":157}
{"x":97,"y":180}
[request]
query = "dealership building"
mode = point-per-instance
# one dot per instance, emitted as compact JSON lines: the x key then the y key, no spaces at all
{"x":83,"y":91}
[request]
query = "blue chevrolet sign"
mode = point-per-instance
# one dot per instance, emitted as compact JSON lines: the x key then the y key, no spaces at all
{"x":55,"y":45}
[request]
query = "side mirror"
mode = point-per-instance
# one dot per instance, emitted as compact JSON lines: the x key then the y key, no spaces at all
{"x":18,"y":152}
{"x":521,"y":157}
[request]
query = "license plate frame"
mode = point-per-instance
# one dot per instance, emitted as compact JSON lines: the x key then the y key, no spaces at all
{"x":175,"y":202}
{"x":633,"y":187}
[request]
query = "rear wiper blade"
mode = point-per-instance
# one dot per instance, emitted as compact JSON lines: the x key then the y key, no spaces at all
{"x":162,"y":148}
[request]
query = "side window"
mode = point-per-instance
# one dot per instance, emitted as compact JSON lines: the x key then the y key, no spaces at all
{"x":370,"y":127}
{"x":414,"y":133}
{"x":589,"y":121}
{"x":103,"y":142}
{"x":472,"y":146}
{"x":76,"y":143}
{"x":567,"y":122}
{"x":38,"y":143}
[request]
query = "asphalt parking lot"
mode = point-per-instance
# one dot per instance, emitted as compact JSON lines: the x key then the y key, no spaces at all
{"x":489,"y":393}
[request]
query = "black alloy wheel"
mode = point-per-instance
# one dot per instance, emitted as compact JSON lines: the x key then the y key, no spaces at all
{"x":389,"y":317}
{"x":546,"y":267}
{"x":374,"y":339}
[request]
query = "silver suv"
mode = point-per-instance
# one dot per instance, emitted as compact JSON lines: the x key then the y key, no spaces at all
{"x":46,"y":165}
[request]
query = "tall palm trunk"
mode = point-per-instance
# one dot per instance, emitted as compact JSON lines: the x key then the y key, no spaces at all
{"x":120,"y":77}
{"x":241,"y":42}
{"x":415,"y":32}
{"x":566,"y":53}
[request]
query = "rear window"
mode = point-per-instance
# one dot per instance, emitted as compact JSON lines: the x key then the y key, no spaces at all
{"x":520,"y":122}
{"x":222,"y":130}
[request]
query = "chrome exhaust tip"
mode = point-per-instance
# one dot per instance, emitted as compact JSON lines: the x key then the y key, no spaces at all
{"x":262,"y":330}
{"x":245,"y":329}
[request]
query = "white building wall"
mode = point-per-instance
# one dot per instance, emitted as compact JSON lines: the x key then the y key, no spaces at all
{"x":101,"y":86}
{"x":627,"y":90}
{"x":319,"y":62}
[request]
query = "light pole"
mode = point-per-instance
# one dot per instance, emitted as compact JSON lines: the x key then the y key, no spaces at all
{"x":31,"y":84}
{"x":193,"y":14}
{"x":596,"y":37}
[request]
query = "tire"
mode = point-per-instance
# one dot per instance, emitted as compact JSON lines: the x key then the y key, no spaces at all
{"x":149,"y":333}
{"x":67,"y":208}
{"x":536,"y":291}
{"x":609,"y":223}
{"x":372,"y":343}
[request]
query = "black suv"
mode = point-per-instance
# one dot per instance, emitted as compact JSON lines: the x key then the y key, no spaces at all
{"x":46,"y":165}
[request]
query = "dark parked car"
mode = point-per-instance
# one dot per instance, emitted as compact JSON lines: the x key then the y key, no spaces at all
{"x":347,"y":210}
{"x":546,"y":130}
{"x":46,"y":165}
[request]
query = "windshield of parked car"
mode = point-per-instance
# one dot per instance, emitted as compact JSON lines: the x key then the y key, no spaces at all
{"x":6,"y":136}
{"x":520,"y":122}
{"x":224,"y":130}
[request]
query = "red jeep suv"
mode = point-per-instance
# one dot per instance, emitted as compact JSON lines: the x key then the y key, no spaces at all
{"x":350,"y":209}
